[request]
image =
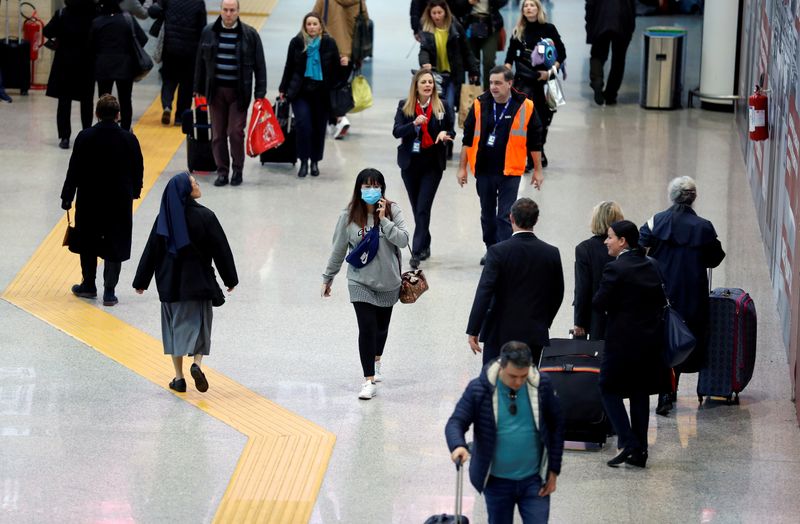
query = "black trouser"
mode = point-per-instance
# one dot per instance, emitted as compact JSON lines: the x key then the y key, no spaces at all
{"x":110,"y":272}
{"x":534,"y":90}
{"x":485,"y":50}
{"x":177,"y":72}
{"x":373,"y":328}
{"x":631,"y":434}
{"x":124,"y":93}
{"x":598,"y":56}
{"x":496,"y":193}
{"x":64,"y":115}
{"x":421,"y":179}
{"x":310,"y":121}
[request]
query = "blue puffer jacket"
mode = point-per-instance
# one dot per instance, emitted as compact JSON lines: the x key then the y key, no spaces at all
{"x":478,"y":406}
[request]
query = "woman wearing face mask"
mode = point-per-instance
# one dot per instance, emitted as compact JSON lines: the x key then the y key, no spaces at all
{"x":312,"y":68}
{"x":374,"y":286}
{"x":425,"y":126}
{"x":530,"y":29}
{"x":631,"y":297}
{"x":185,"y":238}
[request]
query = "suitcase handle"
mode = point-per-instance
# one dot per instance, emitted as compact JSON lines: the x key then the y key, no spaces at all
{"x":459,"y":488}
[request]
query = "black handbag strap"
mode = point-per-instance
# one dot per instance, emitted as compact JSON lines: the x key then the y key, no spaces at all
{"x":661,"y":279}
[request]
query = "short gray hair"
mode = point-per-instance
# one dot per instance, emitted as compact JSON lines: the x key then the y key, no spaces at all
{"x":682,"y":190}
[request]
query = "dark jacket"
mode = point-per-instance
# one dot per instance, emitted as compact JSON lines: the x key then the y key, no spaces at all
{"x":519,"y":293}
{"x":591,"y":257}
{"x":250,"y":55}
{"x":617,"y":17}
{"x":519,"y":51}
{"x":189,"y":275}
{"x":685,"y":246}
{"x":106,"y":170}
{"x":459,"y":53}
{"x":183,"y":21}
{"x":72,"y":73}
{"x":459,"y":8}
{"x":477,"y":408}
{"x":112,"y":45}
{"x":405,"y":129}
{"x":631,"y":296}
{"x":496,"y":16}
{"x":295,"y":68}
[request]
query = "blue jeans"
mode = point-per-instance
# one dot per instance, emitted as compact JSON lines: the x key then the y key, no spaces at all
{"x":497,"y":193}
{"x":503,"y":494}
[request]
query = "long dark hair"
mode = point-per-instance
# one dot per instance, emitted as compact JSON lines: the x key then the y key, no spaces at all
{"x":357,"y":209}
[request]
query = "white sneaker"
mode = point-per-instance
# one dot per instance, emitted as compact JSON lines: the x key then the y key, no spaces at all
{"x":341,"y":128}
{"x":378,"y":376}
{"x":331,"y":130}
{"x":368,"y":390}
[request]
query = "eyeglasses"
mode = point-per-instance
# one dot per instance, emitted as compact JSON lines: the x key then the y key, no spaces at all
{"x":512,"y":407}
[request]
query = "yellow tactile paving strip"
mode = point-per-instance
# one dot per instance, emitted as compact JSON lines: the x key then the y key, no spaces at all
{"x":281,"y":468}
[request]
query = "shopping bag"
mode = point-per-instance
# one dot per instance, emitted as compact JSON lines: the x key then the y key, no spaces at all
{"x":362,"y":94}
{"x":264,"y":131}
{"x":554,"y":94}
{"x":469,"y":93}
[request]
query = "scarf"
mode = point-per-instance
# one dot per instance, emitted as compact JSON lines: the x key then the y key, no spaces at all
{"x":171,"y":222}
{"x":427,"y":141}
{"x":313,"y":61}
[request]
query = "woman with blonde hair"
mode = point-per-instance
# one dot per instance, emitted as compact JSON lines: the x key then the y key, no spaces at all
{"x":425,"y":126}
{"x":312,"y":69}
{"x":443,"y":45}
{"x":591,"y":256}
{"x":532,"y":27}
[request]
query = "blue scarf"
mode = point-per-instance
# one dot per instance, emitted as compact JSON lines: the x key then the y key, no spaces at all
{"x":313,"y":61}
{"x":172,"y":215}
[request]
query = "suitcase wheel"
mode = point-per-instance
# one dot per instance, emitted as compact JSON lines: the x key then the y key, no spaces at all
{"x":24,"y":93}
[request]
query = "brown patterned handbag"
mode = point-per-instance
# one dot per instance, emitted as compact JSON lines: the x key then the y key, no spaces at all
{"x":412,"y":284}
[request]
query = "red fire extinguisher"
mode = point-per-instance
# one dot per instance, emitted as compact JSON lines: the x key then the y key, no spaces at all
{"x":757,"y":111}
{"x":33,"y":32}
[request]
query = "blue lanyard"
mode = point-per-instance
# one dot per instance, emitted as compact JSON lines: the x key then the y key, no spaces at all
{"x":494,"y":112}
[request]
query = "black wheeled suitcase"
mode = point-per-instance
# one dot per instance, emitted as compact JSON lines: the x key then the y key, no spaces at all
{"x":15,"y":58}
{"x":286,"y":153}
{"x":573,"y":366}
{"x":196,"y":125}
{"x":731,"y":354}
{"x":458,"y":518}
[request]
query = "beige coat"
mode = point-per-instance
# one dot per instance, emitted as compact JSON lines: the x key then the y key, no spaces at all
{"x":341,"y":21}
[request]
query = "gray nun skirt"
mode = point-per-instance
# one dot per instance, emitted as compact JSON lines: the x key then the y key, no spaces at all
{"x":186,"y":327}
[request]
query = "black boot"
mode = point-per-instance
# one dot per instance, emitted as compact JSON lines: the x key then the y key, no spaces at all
{"x":664,"y":404}
{"x":303,"y":171}
{"x":236,"y":179}
{"x":222,"y":180}
{"x":314,"y":169}
{"x":596,"y":80}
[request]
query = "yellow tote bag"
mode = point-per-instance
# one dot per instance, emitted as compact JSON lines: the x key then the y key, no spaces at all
{"x":362,"y":94}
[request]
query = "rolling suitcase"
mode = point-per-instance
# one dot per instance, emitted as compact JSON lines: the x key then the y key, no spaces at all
{"x":195,"y":124}
{"x":731,"y":354}
{"x":573,"y":366}
{"x":286,"y":153}
{"x":458,"y":518}
{"x":15,"y":58}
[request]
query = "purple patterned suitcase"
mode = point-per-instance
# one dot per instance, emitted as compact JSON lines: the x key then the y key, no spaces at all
{"x":731,"y":355}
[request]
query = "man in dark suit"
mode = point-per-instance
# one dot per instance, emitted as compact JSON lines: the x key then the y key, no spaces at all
{"x":520,"y":291}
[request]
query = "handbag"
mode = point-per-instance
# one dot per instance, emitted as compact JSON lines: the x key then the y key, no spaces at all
{"x":362,"y":94}
{"x":679,"y":342}
{"x":554,"y":94}
{"x":363,"y":36}
{"x":264,"y":131}
{"x":69,"y":234}
{"x":412,"y":283}
{"x":342,"y":99}
{"x":143,"y":60}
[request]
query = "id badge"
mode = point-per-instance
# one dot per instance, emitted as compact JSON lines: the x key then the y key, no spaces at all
{"x":490,"y":140}
{"x":416,"y":147}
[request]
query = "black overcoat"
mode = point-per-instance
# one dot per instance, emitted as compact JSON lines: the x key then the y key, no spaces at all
{"x":111,"y":40}
{"x":519,"y":293}
{"x":106,"y":170}
{"x":631,"y":296}
{"x":189,"y":275}
{"x":72,"y":73}
{"x":591,"y":257}
{"x":295,"y":68}
{"x":616,"y":17}
{"x":685,"y":246}
{"x":405,"y":129}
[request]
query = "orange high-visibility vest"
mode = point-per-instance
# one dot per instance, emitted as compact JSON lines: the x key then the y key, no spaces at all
{"x":517,"y":147}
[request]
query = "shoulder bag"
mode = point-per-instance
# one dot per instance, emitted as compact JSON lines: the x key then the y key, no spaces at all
{"x":143,"y":61}
{"x":363,"y":34}
{"x":679,"y":342}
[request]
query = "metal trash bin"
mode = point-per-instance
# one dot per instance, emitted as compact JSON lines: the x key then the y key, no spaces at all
{"x":663,"y":60}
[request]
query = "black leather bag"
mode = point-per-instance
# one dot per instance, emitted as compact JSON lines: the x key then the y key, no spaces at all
{"x":679,"y":341}
{"x":143,"y":60}
{"x":342,"y":99}
{"x":363,"y":36}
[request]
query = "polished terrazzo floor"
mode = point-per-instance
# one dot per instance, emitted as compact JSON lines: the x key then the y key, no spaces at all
{"x":83,"y":439}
